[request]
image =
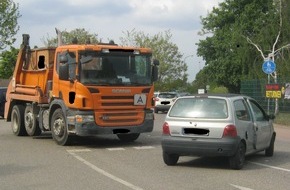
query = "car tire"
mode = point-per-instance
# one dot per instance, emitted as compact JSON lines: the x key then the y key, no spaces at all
{"x":128,"y":137}
{"x":170,"y":159}
{"x":17,"y":120}
{"x":238,"y":159}
{"x":270,"y":150}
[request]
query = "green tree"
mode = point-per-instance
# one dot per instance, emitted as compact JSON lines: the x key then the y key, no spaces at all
{"x":7,"y":62}
{"x":8,"y":22}
{"x":225,"y":49}
{"x":172,"y":69}
{"x":79,"y":35}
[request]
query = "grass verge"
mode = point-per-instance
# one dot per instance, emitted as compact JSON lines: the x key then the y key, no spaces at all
{"x":283,"y":119}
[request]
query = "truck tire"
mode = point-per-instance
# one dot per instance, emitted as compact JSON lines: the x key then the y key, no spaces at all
{"x":128,"y":137}
{"x":17,"y":120}
{"x":59,"y":129}
{"x":238,"y":159}
{"x":30,"y":122}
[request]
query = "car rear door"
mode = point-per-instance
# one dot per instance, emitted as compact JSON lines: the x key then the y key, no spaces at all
{"x":244,"y":123}
{"x":261,"y":124}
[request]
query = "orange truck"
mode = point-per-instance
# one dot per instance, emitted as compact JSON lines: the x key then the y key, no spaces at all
{"x":82,"y":90}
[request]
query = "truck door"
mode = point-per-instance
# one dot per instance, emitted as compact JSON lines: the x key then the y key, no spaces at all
{"x":67,"y":75}
{"x":261,"y":125}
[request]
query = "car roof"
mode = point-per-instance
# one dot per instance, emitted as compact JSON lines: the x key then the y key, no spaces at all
{"x":229,"y":95}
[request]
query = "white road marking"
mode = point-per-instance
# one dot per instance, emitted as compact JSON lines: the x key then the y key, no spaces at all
{"x":103,"y":172}
{"x":269,"y":166}
{"x":114,"y":149}
{"x":143,"y":147}
{"x":79,"y":150}
{"x":240,"y":187}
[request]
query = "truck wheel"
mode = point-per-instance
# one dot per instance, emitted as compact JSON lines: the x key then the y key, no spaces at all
{"x":30,"y":122}
{"x":270,"y":150}
{"x":17,"y":120}
{"x":237,"y":161}
{"x":170,"y":159}
{"x":128,"y":137}
{"x":58,"y":128}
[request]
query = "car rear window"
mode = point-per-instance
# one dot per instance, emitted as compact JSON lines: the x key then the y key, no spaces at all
{"x":167,"y":95}
{"x":211,"y":108}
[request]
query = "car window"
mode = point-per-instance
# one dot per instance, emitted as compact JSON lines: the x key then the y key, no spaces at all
{"x":241,"y":110}
{"x":259,"y":113}
{"x":211,"y":108}
{"x":167,"y":95}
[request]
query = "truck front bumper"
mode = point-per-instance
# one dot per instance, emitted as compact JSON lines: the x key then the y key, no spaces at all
{"x":88,"y":127}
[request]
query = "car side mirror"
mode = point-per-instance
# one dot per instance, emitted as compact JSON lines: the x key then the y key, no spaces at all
{"x":271,"y":117}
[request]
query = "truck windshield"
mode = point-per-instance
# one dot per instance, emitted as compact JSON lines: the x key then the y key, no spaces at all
{"x":116,"y":68}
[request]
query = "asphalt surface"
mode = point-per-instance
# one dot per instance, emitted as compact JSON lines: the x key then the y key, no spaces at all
{"x":103,"y":162}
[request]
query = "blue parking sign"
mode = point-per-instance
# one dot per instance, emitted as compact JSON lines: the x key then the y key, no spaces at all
{"x":269,"y":67}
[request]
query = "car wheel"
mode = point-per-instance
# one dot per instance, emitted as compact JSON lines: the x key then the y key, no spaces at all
{"x":30,"y":122}
{"x":128,"y":137}
{"x":270,"y":150}
{"x":17,"y":120}
{"x":170,"y":159}
{"x":238,"y":159}
{"x":58,"y":128}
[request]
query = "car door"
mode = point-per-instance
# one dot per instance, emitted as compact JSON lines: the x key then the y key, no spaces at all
{"x":261,"y":124}
{"x":244,"y":124}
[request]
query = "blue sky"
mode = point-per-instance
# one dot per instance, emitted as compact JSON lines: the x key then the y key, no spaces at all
{"x":109,"y":19}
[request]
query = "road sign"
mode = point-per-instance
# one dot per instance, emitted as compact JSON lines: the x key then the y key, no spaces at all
{"x":269,"y":67}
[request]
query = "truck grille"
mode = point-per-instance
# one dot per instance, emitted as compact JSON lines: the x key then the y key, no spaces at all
{"x":119,"y":111}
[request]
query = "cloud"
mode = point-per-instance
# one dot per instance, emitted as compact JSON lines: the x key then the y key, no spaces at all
{"x":109,"y":19}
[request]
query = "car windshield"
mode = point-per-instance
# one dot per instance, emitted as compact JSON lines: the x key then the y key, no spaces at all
{"x":211,"y":108}
{"x":117,"y":68}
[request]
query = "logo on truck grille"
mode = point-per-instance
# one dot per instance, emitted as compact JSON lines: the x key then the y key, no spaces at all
{"x":105,"y":117}
{"x":121,"y":91}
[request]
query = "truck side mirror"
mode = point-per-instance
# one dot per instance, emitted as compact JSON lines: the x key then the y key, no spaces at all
{"x":155,"y":72}
{"x":155,"y":69}
{"x":63,"y":72}
{"x":63,"y":58}
{"x":156,"y":62}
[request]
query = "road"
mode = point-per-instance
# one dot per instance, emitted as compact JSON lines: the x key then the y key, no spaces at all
{"x":104,"y":162}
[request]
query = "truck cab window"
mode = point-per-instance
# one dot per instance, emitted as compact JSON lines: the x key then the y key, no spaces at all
{"x":116,"y":68}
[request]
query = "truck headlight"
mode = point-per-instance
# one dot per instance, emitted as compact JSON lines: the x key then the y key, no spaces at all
{"x":84,"y":118}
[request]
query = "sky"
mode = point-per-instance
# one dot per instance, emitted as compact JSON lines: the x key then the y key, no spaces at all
{"x":110,"y":19}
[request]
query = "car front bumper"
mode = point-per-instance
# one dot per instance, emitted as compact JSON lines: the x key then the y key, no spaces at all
{"x":187,"y":146}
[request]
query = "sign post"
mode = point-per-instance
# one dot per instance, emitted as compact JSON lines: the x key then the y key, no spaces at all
{"x":269,"y":67}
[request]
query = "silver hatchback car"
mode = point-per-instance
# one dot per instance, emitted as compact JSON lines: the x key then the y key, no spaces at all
{"x":217,"y":125}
